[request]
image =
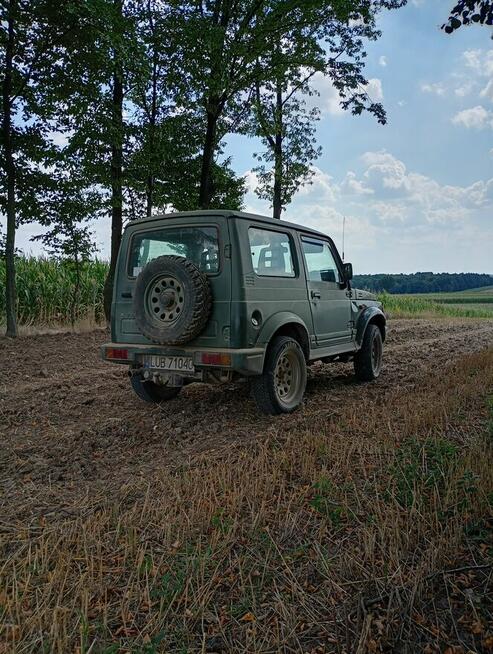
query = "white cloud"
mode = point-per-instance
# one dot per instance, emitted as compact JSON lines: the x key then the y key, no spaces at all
{"x":382,"y":60}
{"x":383,"y":171}
{"x":479,"y":61}
{"x":329,"y":100}
{"x":472,"y":59}
{"x":321,"y":186}
{"x":353,"y":186}
{"x":464,"y":89}
{"x":396,"y":215}
{"x":251,"y":181}
{"x":389,"y":212}
{"x":474,"y":118}
{"x":487,"y":92}
{"x":374,"y":89}
{"x":437,"y":88}
{"x":404,"y":196}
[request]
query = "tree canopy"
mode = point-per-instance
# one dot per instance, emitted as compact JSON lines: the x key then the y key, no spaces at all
{"x":122,"y":108}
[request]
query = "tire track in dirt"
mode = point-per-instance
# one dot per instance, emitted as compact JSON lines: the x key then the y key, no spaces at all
{"x":71,"y":426}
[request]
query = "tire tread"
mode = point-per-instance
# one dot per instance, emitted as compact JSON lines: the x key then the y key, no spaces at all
{"x":363,"y":367}
{"x":201,"y":308}
{"x":262,"y":386}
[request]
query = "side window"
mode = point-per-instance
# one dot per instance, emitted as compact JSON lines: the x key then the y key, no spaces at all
{"x":271,"y":253}
{"x":320,"y":261}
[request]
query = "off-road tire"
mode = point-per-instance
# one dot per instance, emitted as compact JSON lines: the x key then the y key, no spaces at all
{"x":151,"y":392}
{"x":268,"y":391}
{"x":368,"y":361}
{"x":195,"y":300}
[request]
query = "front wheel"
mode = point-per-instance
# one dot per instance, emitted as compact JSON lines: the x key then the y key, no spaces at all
{"x":151,"y":392}
{"x":368,"y":361}
{"x":281,"y":387}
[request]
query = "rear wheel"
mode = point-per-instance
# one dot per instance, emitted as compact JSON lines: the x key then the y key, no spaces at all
{"x":281,"y":387}
{"x":368,"y":361}
{"x":151,"y":392}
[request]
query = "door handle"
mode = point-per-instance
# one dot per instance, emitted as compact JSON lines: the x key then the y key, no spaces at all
{"x":315,"y":295}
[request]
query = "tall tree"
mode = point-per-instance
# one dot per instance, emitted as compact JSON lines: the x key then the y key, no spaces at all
{"x":333,"y":48}
{"x":116,"y":145}
{"x":224,"y":41}
{"x":93,"y":102}
{"x":32,"y":39}
{"x":163,"y":167}
{"x":281,"y":119}
{"x":9,"y":166}
{"x":153,"y":91}
{"x":287,"y":129}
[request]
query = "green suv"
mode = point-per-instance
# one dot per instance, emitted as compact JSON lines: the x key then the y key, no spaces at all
{"x":213,"y":296}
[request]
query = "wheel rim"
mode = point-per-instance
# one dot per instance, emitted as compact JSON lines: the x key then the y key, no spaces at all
{"x":376,"y":354}
{"x":165,"y":299}
{"x":287,"y":377}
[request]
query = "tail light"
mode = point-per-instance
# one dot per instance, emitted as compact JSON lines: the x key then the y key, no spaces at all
{"x":116,"y":354}
{"x":219,"y":359}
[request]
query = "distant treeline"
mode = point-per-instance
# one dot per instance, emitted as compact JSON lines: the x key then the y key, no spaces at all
{"x":423,"y":282}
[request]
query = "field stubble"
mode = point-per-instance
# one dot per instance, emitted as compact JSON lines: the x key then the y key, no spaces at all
{"x":362,"y":523}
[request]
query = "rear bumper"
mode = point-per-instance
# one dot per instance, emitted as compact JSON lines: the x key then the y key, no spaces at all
{"x":246,"y":361}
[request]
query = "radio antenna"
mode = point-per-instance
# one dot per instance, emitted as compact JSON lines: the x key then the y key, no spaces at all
{"x":343,"y":234}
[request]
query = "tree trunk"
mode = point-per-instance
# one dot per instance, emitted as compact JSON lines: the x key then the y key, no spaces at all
{"x":9,"y":167}
{"x":152,"y":136}
{"x":149,"y":195}
{"x":151,"y":177}
{"x":116,"y":180}
{"x":277,"y":197}
{"x":206,"y":179}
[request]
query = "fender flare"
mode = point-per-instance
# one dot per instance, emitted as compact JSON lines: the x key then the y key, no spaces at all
{"x":370,"y":314}
{"x":278,"y":320}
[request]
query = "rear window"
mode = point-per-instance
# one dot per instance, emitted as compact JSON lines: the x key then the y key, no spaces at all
{"x":199,"y":244}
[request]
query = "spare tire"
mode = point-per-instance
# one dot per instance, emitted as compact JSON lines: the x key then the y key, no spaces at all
{"x":172,"y":300}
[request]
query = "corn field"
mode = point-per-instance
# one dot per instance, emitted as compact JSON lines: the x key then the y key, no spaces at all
{"x":406,"y":306}
{"x":46,"y":295}
{"x":46,"y":291}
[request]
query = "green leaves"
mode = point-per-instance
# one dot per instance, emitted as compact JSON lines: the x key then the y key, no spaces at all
{"x":467,"y":12}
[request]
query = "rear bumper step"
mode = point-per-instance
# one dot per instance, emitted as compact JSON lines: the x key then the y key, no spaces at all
{"x":246,"y":361}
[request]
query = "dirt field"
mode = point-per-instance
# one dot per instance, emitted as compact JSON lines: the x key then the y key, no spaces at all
{"x":362,"y":523}
{"x":71,"y":427}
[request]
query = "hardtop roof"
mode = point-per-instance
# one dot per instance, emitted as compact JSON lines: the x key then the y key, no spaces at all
{"x":228,"y":214}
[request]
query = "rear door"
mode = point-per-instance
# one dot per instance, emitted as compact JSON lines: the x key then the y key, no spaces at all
{"x":327,"y":292}
{"x":205,"y":240}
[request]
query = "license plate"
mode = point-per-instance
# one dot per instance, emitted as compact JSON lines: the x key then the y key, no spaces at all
{"x":162,"y":362}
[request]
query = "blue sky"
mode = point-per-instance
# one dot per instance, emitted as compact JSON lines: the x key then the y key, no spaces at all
{"x":417,"y":193}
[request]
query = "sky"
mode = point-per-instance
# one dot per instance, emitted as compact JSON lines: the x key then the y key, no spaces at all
{"x":417,"y":193}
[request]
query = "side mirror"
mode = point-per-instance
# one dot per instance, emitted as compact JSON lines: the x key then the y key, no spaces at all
{"x":348,"y":271}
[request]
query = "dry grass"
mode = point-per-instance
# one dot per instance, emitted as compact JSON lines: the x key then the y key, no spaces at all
{"x":82,"y":326}
{"x":327,"y":539}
